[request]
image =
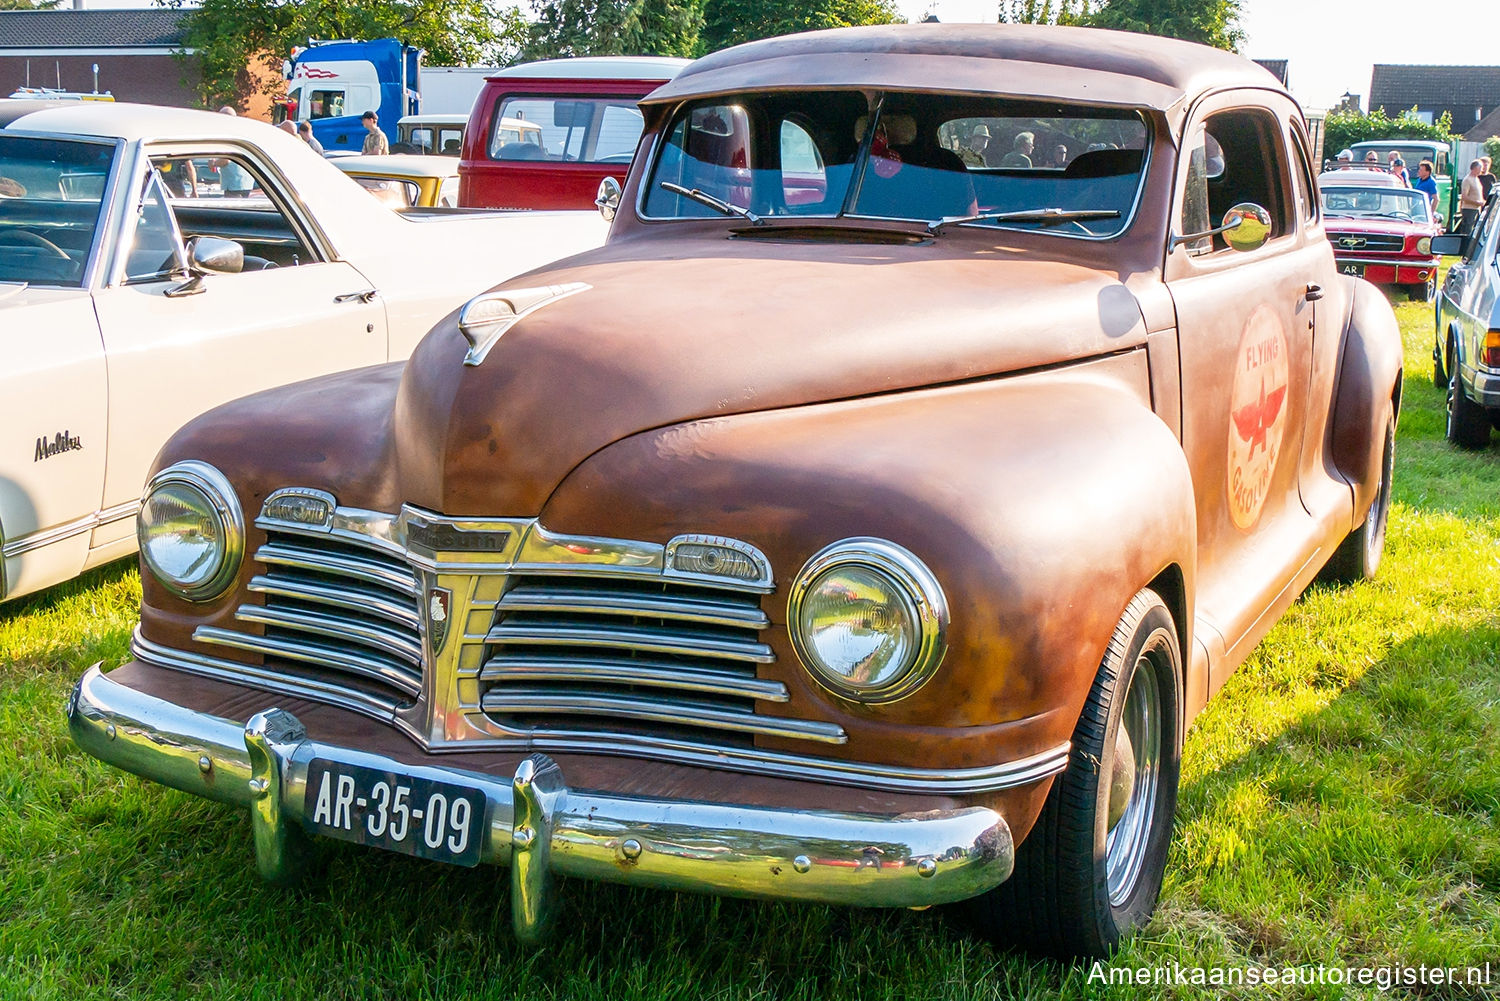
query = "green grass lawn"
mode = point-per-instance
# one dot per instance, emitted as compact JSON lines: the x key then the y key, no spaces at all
{"x":1339,"y":806}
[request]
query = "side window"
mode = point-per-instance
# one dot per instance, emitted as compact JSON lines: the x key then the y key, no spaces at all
{"x":226,"y":195}
{"x":1307,"y":192}
{"x":803,"y":178}
{"x":325,"y":104}
{"x":1239,"y":156}
{"x":448,"y":193}
{"x":619,"y":131}
{"x":155,"y":250}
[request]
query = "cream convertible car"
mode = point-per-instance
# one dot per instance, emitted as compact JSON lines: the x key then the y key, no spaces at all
{"x":156,"y":262}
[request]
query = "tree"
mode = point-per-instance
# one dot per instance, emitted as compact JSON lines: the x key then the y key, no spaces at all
{"x":1211,"y":22}
{"x":28,"y":4}
{"x":1342,"y":129}
{"x":730,"y":22}
{"x":613,"y":28}
{"x":231,"y":36}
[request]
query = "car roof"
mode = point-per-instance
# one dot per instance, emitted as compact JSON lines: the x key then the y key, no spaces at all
{"x":1075,"y":65}
{"x":432,"y":119}
{"x":403,"y":164}
{"x":1382,"y":144}
{"x":598,"y":68}
{"x":1360,"y":176}
{"x":128,"y":121}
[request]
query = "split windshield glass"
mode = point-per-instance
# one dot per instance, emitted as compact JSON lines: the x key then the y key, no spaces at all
{"x":914,"y":157}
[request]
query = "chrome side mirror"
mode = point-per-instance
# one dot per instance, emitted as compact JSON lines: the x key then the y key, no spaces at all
{"x":608,"y":198}
{"x":213,"y":256}
{"x":1246,"y":227}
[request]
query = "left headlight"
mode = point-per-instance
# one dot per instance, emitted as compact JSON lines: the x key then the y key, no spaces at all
{"x":191,"y":530}
{"x":868,"y":620}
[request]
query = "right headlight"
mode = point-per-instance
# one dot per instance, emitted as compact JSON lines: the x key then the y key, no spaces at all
{"x":1424,"y":245}
{"x":191,"y":530}
{"x":868,"y":620}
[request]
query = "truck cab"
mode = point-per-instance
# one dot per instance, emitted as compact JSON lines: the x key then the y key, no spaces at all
{"x":332,"y":84}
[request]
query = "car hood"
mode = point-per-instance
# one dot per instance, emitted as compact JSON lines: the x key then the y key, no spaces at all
{"x":717,"y":327}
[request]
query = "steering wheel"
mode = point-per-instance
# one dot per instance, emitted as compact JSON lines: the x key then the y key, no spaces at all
{"x":30,"y":239}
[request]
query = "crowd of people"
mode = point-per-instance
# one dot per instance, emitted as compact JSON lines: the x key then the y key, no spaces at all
{"x":1474,"y":190}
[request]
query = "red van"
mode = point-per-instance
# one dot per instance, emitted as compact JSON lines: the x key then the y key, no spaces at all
{"x":585,"y":111}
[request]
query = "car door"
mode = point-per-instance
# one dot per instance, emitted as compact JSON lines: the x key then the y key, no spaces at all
{"x":1468,"y":298}
{"x":176,"y":348}
{"x":1246,"y":325}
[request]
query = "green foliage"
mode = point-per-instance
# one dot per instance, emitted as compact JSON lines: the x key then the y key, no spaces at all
{"x":232,"y":35}
{"x":613,"y":28}
{"x":730,"y":22}
{"x":29,"y":4}
{"x":1492,"y":148}
{"x":1343,"y":129}
{"x":1210,"y":22}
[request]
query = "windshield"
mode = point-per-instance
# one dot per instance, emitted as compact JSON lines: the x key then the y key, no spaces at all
{"x":1387,"y":203}
{"x":923,"y":157}
{"x":51,"y":193}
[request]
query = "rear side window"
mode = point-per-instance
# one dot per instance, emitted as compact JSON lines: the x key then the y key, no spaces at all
{"x":566,"y":129}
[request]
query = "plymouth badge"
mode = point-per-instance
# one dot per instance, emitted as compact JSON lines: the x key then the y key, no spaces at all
{"x":439,"y":601}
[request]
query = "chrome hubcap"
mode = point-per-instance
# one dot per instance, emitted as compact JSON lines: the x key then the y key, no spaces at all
{"x":1134,"y":774}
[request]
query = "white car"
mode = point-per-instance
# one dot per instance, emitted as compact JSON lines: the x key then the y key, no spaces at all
{"x":155,"y":262}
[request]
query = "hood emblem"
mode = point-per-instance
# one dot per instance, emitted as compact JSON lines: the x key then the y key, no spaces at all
{"x":485,"y":317}
{"x":439,"y":602}
{"x":1352,"y":242}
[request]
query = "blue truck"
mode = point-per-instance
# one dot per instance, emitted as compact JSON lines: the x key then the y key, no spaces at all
{"x":332,"y":84}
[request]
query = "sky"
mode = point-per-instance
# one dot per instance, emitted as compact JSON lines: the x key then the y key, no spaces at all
{"x":1332,"y":44}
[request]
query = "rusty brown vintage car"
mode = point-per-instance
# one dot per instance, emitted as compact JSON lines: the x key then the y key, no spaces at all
{"x":950,"y":411}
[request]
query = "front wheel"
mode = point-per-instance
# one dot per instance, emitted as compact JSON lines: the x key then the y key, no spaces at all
{"x":1089,"y":873}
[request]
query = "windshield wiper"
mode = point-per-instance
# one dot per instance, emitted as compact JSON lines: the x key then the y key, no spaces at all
{"x":1044,"y":217}
{"x":704,"y":198}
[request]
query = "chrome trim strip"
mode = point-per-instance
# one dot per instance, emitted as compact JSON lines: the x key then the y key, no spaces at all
{"x":535,"y":823}
{"x":650,"y":640}
{"x":47,"y":536}
{"x":336,"y":596}
{"x":891,"y":778}
{"x":585,"y":600}
{"x":350,"y":630}
{"x":520,"y":702}
{"x":371,"y":571}
{"x":653,"y":674}
{"x":312,"y":653}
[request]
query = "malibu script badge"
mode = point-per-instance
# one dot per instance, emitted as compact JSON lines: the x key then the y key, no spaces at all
{"x":59,"y":443}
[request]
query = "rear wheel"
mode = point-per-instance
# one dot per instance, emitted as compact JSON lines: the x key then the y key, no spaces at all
{"x":1468,"y":424}
{"x":1358,"y":556}
{"x":1089,"y":873}
{"x":1425,"y":292}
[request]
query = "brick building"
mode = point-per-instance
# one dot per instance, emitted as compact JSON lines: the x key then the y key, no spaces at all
{"x":135,"y":51}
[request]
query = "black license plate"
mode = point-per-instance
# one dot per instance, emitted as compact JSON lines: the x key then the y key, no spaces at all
{"x":400,"y":813}
{"x":1357,"y":270}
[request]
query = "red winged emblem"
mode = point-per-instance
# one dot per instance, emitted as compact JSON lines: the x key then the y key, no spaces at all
{"x":1253,"y":420}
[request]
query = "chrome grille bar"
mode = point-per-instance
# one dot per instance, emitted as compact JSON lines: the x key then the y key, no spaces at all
{"x":373,"y":571}
{"x":335,"y":595}
{"x":509,"y":669}
{"x":587,"y":634}
{"x":584,"y":702}
{"x":368,"y":665}
{"x":350,"y":630}
{"x":586,"y":600}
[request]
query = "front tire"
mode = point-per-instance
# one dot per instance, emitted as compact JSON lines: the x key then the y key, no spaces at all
{"x":1089,"y":874}
{"x":1468,"y":424}
{"x":1358,"y":556}
{"x":1425,"y":292}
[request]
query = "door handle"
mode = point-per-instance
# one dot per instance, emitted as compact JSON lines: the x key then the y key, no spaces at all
{"x":1314,"y":292}
{"x":363,"y":295}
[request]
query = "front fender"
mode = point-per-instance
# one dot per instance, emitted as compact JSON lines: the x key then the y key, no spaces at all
{"x":1042,"y":503}
{"x":1369,"y":380}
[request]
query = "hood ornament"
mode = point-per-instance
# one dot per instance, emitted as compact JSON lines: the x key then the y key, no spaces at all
{"x":485,"y":317}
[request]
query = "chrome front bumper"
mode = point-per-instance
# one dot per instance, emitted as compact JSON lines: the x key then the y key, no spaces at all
{"x":539,"y":827}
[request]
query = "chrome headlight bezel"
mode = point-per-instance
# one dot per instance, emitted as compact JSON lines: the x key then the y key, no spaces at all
{"x":918,"y":588}
{"x":1424,"y":245}
{"x":219,"y":494}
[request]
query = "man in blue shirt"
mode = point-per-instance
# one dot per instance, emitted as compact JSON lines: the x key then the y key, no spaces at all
{"x":1426,"y":183}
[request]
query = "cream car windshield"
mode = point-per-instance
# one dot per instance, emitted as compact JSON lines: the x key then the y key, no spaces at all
{"x":51,"y":197}
{"x":934,"y":158}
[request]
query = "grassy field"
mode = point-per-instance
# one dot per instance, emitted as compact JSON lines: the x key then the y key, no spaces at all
{"x":1339,"y":806}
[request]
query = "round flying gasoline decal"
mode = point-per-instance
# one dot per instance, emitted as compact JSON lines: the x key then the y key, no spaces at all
{"x":1257,"y":411}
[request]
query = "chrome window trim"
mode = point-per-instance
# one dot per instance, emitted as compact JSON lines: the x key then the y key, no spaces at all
{"x":776,"y":764}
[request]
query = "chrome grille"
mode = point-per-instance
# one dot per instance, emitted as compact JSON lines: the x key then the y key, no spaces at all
{"x":1376,"y":242}
{"x":333,"y":606}
{"x":577,"y":653}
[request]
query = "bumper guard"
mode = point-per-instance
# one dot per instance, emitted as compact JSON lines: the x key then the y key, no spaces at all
{"x":539,"y":827}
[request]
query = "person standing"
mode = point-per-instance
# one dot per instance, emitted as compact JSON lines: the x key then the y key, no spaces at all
{"x":304,"y":129}
{"x":972,"y":154}
{"x":234,"y":180}
{"x":1470,"y":197}
{"x":1398,"y":169}
{"x":376,"y":143}
{"x":1486,"y":178}
{"x":1020,"y":156}
{"x":1425,"y":183}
